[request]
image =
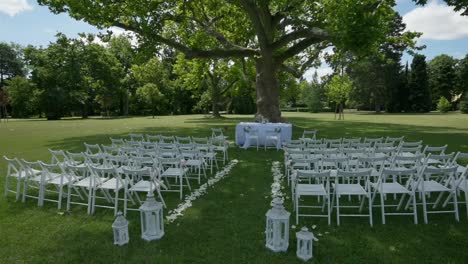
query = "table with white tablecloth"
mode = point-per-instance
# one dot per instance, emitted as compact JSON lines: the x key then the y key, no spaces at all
{"x":285,"y":132}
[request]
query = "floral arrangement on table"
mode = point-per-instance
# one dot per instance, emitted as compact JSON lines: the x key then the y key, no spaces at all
{"x":278,"y":129}
{"x":247,"y":129}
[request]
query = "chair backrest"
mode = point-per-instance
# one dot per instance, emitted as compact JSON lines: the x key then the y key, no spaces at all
{"x":434,"y":150}
{"x":149,"y":145}
{"x":110,"y":149}
{"x":104,"y":172}
{"x":136,"y":137}
{"x":183,"y":140}
{"x":311,"y":176}
{"x":334,"y":163}
{"x":30,"y":167}
{"x":152,"y":138}
{"x":14,"y":166}
{"x":133,"y":143}
{"x":443,"y":159}
{"x":384,"y":145}
{"x":373,"y":141}
{"x":361,"y":145}
{"x":166,"y":139}
{"x":460,"y":159}
{"x":312,"y":134}
{"x":405,"y":161}
{"x":372,"y":162}
{"x":414,"y":150}
{"x":395,"y":140}
{"x":48,"y":170}
{"x":217,"y":134}
{"x":170,"y":162}
{"x":92,"y":148}
{"x":441,"y":175}
{"x":332,"y":141}
{"x":185,"y":146}
{"x":76,"y":158}
{"x":200,"y":140}
{"x":117,"y":142}
{"x":351,"y":140}
{"x":362,"y":175}
{"x":117,"y":160}
{"x":58,"y":156}
{"x":136,"y":174}
{"x":192,"y":154}
{"x":96,"y":159}
{"x":405,"y":144}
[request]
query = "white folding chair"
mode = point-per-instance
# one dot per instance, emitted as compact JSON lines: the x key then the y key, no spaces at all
{"x":436,"y":180}
{"x":462,"y":175}
{"x":194,"y":160}
{"x":152,"y":138}
{"x":373,"y":141}
{"x":55,"y":175}
{"x":17,"y":171}
{"x":166,"y":139}
{"x":311,"y":183}
{"x":353,"y":183}
{"x":273,"y":136}
{"x":251,"y":134}
{"x":58,"y":157}
{"x":183,"y":140}
{"x":107,"y":179}
{"x":217,"y":134}
{"x":175,"y":169}
{"x":141,"y":180}
{"x":387,"y":184}
{"x":34,"y":179}
{"x":312,"y":134}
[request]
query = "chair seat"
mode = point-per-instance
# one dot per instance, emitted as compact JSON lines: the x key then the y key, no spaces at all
{"x":301,"y":165}
{"x":86,"y":182}
{"x":145,"y":186}
{"x":194,"y":163}
{"x":433,"y":186}
{"x":113,"y":184}
{"x":391,"y":187}
{"x":59,"y":180}
{"x":21,"y":174}
{"x":174,"y":172}
{"x":461,"y":169}
{"x":310,"y":189}
{"x":352,"y":189}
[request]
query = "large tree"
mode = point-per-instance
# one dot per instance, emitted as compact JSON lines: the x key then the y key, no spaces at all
{"x":274,"y":33}
{"x":442,"y":78}
{"x":419,"y":99}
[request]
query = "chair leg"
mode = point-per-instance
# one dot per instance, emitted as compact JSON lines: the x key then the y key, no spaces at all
{"x":6,"y":188}
{"x":455,"y":205}
{"x":59,"y":206}
{"x":297,"y":208}
{"x":415,"y":209}
{"x":382,"y":204}
{"x":338,"y":209}
{"x":116,"y":202}
{"x":423,"y":195}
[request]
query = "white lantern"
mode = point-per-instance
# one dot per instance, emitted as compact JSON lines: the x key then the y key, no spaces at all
{"x":152,"y":224}
{"x":305,"y":241}
{"x":120,"y":227}
{"x":277,"y":227}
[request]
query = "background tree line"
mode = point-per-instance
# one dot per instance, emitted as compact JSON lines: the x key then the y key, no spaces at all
{"x":79,"y":77}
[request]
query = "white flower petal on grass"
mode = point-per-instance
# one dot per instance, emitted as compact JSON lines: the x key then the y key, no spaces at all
{"x":314,"y":226}
{"x":174,"y":214}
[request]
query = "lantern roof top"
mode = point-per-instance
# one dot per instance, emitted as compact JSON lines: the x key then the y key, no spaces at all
{"x":150,"y":204}
{"x":120,"y":221}
{"x":305,"y":234}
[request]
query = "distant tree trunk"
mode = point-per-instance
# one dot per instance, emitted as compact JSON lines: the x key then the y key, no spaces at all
{"x":267,"y":90}
{"x":216,"y":96}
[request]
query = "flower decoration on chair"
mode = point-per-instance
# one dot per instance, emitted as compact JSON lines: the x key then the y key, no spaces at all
{"x":278,"y":129}
{"x":247,"y":129}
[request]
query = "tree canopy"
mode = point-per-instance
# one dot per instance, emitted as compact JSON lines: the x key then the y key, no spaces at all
{"x":275,"y":33}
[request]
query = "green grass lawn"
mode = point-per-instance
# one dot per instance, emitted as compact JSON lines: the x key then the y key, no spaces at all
{"x":227,"y":224}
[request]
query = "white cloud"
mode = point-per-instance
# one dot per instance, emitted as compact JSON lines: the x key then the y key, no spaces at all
{"x":437,"y":21}
{"x":13,"y":7}
{"x":323,"y":70}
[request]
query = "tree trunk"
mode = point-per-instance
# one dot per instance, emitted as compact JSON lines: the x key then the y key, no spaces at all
{"x":215,"y":98}
{"x":267,"y":90}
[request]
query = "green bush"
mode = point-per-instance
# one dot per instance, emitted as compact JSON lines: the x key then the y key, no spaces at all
{"x":464,"y":104}
{"x":443,"y":105}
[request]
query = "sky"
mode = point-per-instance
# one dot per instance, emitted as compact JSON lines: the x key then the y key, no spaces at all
{"x":444,"y":31}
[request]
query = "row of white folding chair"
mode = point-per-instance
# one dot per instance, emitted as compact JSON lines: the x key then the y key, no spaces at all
{"x":355,"y":183}
{"x":348,"y":141}
{"x":87,"y":178}
{"x":426,"y":181}
{"x":141,"y":138}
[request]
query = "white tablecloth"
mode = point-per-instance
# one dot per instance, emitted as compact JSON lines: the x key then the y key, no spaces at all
{"x":285,"y":134}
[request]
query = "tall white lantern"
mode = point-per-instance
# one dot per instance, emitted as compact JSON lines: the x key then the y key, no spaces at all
{"x":305,"y":241}
{"x":277,"y":227}
{"x":151,"y":214}
{"x":120,"y":227}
